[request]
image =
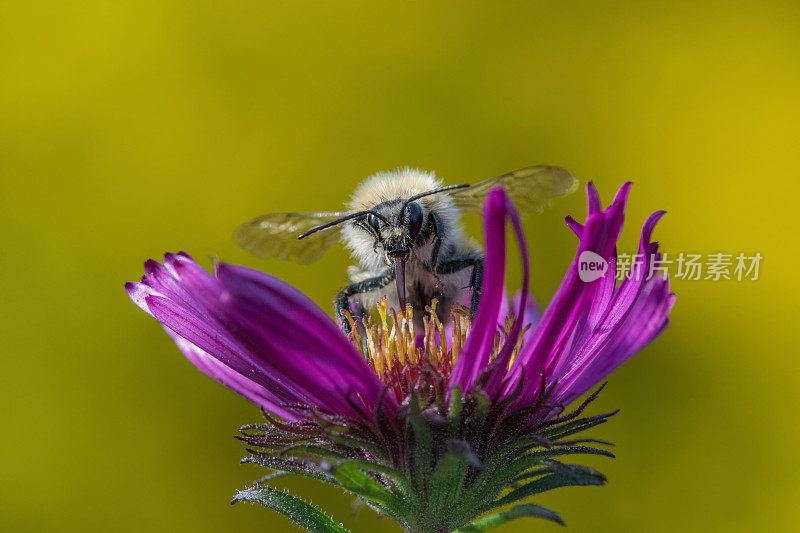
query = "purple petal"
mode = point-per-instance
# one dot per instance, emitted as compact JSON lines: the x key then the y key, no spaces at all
{"x":503,"y":383}
{"x":262,"y":330}
{"x":503,"y":359}
{"x":314,"y":352}
{"x":635,"y":315}
{"x":223,"y":374}
{"x":522,"y":300}
{"x":477,"y":348}
{"x":648,"y":318}
{"x":572,"y":300}
{"x":574,"y":226}
{"x":213,"y":338}
{"x":590,"y":328}
{"x":592,"y":199}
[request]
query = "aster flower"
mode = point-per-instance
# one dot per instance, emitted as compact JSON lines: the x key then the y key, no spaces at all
{"x":436,"y":429}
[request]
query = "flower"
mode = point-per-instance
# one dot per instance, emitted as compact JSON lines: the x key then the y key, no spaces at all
{"x":435,"y":428}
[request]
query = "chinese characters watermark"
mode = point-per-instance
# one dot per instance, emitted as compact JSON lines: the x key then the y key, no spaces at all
{"x":685,"y":266}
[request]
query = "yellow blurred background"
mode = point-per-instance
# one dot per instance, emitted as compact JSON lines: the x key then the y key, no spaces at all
{"x":131,"y":129}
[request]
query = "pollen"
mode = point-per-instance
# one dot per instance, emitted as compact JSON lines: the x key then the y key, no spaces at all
{"x":401,"y":356}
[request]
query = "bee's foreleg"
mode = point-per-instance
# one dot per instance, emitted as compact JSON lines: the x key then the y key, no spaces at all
{"x":476,"y":279}
{"x":342,"y":301}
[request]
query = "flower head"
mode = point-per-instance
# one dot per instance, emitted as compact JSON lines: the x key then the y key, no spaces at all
{"x":432,"y":428}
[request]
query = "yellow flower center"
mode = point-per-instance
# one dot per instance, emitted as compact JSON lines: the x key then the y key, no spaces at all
{"x":391,"y":348}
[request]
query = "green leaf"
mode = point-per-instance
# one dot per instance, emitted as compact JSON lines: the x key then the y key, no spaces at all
{"x":529,"y":510}
{"x":300,"y":512}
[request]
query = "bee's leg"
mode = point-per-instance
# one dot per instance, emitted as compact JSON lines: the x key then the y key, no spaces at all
{"x":476,"y":280}
{"x":437,"y":240}
{"x":342,"y":301}
{"x":340,"y":305}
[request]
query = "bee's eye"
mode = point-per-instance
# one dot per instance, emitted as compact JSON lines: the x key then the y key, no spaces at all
{"x":414,"y":219}
{"x":373,"y":221}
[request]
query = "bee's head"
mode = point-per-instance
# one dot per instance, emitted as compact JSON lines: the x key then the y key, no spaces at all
{"x":395,"y":228}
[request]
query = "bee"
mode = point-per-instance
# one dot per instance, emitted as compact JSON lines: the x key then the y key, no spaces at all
{"x":404,"y":232}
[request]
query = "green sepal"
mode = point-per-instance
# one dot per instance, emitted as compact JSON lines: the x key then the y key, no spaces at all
{"x":491,"y":482}
{"x":422,"y":446}
{"x":302,"y":513}
{"x":576,"y":426}
{"x":499,"y":470}
{"x":444,"y":461}
{"x":532,"y":459}
{"x":445,"y":487}
{"x":285,"y":465}
{"x":529,"y":510}
{"x":475,"y":420}
{"x":462,"y":449}
{"x":306,"y":450}
{"x":564,"y":476}
{"x":277,"y":474}
{"x":454,"y":413}
{"x":351,"y":476}
{"x":358,"y":443}
{"x":399,"y":480}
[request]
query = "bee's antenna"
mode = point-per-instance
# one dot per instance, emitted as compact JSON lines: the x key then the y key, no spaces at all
{"x":434,"y":191}
{"x":343,"y":219}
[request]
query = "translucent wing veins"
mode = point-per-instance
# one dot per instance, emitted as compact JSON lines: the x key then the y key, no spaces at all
{"x":531,"y":188}
{"x":275,"y":235}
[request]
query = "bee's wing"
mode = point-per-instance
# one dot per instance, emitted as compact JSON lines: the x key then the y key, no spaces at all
{"x":274,"y":236}
{"x":530,"y":188}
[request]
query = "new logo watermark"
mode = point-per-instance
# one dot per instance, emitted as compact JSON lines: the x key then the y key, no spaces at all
{"x":711,"y":267}
{"x":591,"y":266}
